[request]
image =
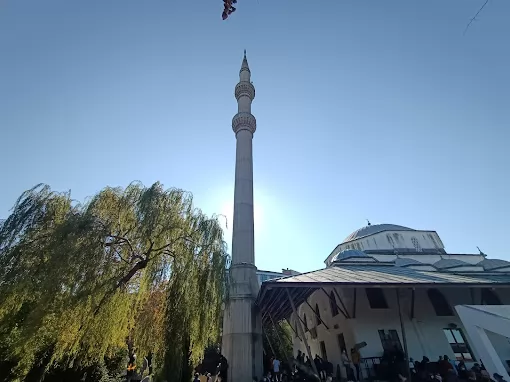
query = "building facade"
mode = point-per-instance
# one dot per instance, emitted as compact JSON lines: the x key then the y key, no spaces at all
{"x":385,"y":287}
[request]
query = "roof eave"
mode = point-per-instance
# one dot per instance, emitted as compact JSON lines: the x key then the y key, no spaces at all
{"x":317,"y":285}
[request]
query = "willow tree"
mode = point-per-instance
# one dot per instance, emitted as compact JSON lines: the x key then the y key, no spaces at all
{"x":136,"y":267}
{"x":277,"y":340}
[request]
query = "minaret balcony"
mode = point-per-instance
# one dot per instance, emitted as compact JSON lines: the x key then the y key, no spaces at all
{"x":245,"y":88}
{"x":244,"y":121}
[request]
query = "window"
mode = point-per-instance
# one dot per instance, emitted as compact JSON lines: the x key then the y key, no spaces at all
{"x":431,"y":237}
{"x":439,"y":303}
{"x":416,"y":244}
{"x":390,"y":340}
{"x":459,"y":345}
{"x":376,"y":298}
{"x":341,"y":342}
{"x":332,"y":302}
{"x":490,"y":298}
{"x":324,"y":355}
{"x":318,"y":314}
{"x":305,"y":323}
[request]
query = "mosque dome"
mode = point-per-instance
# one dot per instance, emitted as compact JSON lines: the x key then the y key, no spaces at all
{"x":373,"y":229}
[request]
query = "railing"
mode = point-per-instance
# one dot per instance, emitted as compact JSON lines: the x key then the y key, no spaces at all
{"x":370,"y":369}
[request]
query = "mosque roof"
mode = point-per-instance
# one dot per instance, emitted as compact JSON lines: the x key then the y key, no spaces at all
{"x":373,"y":229}
{"x":490,"y":264}
{"x":274,"y":294}
{"x":403,"y":262}
{"x":450,"y":263}
{"x":351,"y":254}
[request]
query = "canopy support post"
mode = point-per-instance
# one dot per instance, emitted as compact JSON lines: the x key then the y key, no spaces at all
{"x":334,"y":302}
{"x":302,"y":332}
{"x":412,"y":302}
{"x":289,"y":358}
{"x":317,"y":315}
{"x":297,"y":335}
{"x":341,"y":302}
{"x":354,"y":303}
{"x":404,"y":338}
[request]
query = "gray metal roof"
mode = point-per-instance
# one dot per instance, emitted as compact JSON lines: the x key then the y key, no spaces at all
{"x":375,"y":228}
{"x":367,"y":274}
{"x":273,"y":296}
{"x":490,"y":264}
{"x":352,"y":254}
{"x":450,"y":263}
{"x":402,"y":262}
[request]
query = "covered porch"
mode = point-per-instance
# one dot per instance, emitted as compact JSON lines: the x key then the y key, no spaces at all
{"x":383,"y":306}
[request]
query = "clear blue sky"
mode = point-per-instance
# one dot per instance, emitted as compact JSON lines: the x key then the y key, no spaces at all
{"x":366,"y":109}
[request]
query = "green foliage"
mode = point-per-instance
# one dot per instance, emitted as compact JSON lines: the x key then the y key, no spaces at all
{"x":139,"y":266}
{"x":278,"y":339}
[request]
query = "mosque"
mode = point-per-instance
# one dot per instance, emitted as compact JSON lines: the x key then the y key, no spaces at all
{"x":385,"y":287}
{"x":388,"y":286}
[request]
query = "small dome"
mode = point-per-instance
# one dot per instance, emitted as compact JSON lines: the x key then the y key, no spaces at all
{"x":352,"y":254}
{"x":375,"y":228}
{"x":491,"y":264}
{"x":450,"y":263}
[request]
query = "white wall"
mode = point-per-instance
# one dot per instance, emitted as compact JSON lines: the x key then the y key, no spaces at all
{"x":479,"y":320}
{"x":389,"y":240}
{"x":424,"y":333}
{"x":502,"y":346}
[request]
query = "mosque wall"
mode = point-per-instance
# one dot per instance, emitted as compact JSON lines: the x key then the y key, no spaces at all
{"x":425,"y":333}
{"x":390,"y":240}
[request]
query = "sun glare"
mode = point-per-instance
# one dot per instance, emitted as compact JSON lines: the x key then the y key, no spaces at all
{"x":228,"y":210}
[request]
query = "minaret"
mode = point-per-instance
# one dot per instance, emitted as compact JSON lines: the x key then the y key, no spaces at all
{"x":242,"y":327}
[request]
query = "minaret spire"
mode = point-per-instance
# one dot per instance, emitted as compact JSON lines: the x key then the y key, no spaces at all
{"x":242,"y":326}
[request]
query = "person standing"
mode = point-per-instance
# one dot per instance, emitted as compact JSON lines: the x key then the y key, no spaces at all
{"x":356,"y":360}
{"x":276,"y":369}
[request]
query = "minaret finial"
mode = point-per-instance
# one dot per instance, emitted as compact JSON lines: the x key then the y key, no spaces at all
{"x":245,"y":67}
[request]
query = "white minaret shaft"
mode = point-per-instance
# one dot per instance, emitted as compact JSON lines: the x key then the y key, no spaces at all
{"x":244,"y":125}
{"x":242,"y":330}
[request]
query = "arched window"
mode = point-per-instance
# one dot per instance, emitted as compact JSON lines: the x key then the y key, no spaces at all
{"x":305,"y":323}
{"x":416,"y":244}
{"x":433,"y":240}
{"x":334,"y":306}
{"x":439,"y":302}
{"x":490,"y":298}
{"x":318,"y":314}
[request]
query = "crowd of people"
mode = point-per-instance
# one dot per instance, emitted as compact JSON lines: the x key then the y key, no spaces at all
{"x":393,"y":367}
{"x":447,"y":370}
